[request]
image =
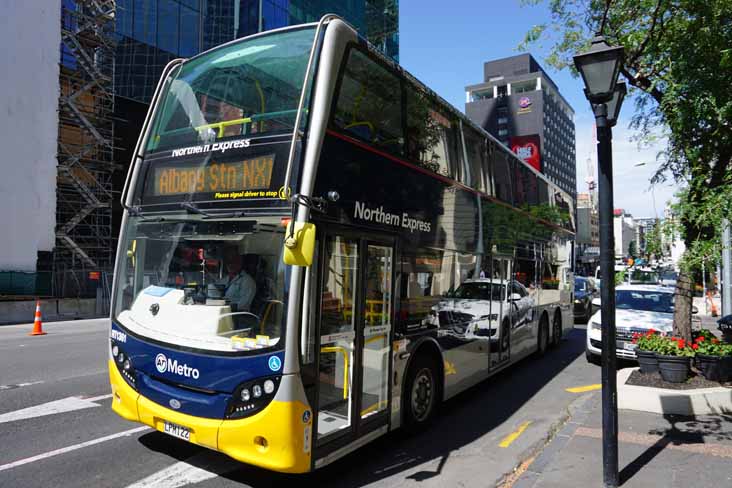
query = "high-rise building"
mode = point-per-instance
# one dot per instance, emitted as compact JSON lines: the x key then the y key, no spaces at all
{"x":624,"y":233}
{"x":153,"y":32}
{"x":521,"y":106}
{"x":85,"y":107}
{"x":587,"y":239}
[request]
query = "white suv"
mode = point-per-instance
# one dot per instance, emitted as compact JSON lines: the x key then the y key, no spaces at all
{"x":638,"y":308}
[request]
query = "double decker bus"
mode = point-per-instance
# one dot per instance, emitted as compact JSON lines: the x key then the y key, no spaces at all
{"x":316,"y":249}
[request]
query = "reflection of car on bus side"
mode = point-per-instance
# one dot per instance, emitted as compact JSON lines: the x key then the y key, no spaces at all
{"x":638,"y":308}
{"x":477,"y":308}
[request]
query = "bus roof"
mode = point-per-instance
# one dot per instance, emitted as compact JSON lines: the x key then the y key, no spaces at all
{"x":407,"y":75}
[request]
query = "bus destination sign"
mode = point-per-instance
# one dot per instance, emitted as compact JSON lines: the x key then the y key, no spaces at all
{"x":225,"y":180}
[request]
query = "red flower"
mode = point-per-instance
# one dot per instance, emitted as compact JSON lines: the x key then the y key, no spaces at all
{"x":635,"y":340}
{"x":681,"y":344}
{"x":695,"y":346}
{"x":651,"y":331}
{"x":700,"y":339}
{"x":715,"y":341}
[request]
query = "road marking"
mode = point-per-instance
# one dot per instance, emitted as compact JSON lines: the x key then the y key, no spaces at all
{"x":64,"y":450}
{"x":19,"y":385}
{"x":201,"y":467}
{"x":710,"y":449}
{"x":582,"y":389}
{"x":97,"y":398}
{"x":51,"y":408}
{"x":508,"y":440}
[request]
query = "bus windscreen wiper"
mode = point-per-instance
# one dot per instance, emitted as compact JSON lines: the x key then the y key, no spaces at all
{"x":191,"y":207}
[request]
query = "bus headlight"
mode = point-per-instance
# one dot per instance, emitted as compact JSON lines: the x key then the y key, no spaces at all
{"x":595,"y":326}
{"x":251,"y":397}
{"x":124,"y":365}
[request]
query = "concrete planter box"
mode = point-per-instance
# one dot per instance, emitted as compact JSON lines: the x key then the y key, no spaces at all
{"x":700,"y":401}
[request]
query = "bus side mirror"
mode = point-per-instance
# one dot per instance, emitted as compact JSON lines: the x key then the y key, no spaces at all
{"x":300,"y":246}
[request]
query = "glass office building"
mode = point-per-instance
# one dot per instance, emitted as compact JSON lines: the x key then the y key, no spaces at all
{"x":150,"y":33}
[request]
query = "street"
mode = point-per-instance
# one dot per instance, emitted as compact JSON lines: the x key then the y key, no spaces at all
{"x":57,"y":428}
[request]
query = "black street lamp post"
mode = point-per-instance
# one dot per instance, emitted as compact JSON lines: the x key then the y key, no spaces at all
{"x":599,"y":68}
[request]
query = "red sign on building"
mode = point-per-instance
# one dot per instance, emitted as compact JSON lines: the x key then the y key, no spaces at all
{"x":528,"y":148}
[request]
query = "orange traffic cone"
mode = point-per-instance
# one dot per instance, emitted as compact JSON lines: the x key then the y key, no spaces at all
{"x":37,"y":324}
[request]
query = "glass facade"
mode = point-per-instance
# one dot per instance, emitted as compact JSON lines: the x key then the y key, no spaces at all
{"x":150,"y":33}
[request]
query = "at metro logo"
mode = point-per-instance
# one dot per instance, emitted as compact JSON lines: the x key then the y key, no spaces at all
{"x":169,"y":365}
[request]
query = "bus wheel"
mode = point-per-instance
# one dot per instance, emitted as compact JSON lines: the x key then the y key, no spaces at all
{"x":543,"y":336}
{"x":423,"y":393}
{"x":557,"y":329}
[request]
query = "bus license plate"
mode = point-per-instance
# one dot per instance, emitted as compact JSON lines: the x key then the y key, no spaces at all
{"x":177,"y":431}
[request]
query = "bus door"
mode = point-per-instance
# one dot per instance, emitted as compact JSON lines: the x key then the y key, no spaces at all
{"x":500,"y":273}
{"x":355,"y":329}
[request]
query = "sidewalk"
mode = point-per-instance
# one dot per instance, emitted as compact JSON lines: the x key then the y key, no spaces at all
{"x":654,"y":451}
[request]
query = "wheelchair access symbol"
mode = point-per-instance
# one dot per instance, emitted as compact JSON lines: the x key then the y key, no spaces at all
{"x":275,"y":363}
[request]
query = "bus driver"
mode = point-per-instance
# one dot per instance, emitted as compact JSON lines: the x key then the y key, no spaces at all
{"x":240,"y":286}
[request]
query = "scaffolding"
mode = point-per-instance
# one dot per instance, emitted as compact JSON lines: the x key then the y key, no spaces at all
{"x":84,"y":252}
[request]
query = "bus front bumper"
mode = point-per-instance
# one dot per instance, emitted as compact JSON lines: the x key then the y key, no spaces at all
{"x":277,"y":438}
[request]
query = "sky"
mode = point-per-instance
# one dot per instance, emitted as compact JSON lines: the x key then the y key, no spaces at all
{"x":444,"y":44}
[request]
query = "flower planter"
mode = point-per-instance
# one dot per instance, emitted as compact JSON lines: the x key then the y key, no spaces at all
{"x":674,"y":369}
{"x":647,"y":361}
{"x":715,"y":368}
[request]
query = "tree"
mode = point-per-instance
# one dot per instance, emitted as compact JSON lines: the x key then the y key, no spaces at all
{"x":653,"y":248}
{"x":632,"y":252}
{"x":678,"y":62}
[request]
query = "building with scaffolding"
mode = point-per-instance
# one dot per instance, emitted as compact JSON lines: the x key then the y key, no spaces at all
{"x":73,"y":119}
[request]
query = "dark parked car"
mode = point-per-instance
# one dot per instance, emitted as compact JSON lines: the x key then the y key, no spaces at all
{"x":584,"y":292}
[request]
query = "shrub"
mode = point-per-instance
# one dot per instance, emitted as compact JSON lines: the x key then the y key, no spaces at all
{"x":675,"y":346}
{"x":709,"y":346}
{"x":648,"y":341}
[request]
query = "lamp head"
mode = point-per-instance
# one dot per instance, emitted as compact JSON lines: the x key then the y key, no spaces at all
{"x":599,"y":68}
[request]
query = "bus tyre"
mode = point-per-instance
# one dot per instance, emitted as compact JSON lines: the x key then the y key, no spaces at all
{"x":557,"y":329}
{"x":423,"y":393}
{"x":543,"y":336}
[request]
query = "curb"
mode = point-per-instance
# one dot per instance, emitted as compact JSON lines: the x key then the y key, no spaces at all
{"x":700,"y":401}
{"x":577,"y":413}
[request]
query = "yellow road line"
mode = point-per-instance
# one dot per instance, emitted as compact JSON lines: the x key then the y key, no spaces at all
{"x":514,"y":435}
{"x":582,"y":389}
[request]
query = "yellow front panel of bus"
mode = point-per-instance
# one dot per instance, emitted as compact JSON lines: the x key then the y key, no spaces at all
{"x":203,"y":431}
{"x":277,"y":438}
{"x":124,"y":398}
